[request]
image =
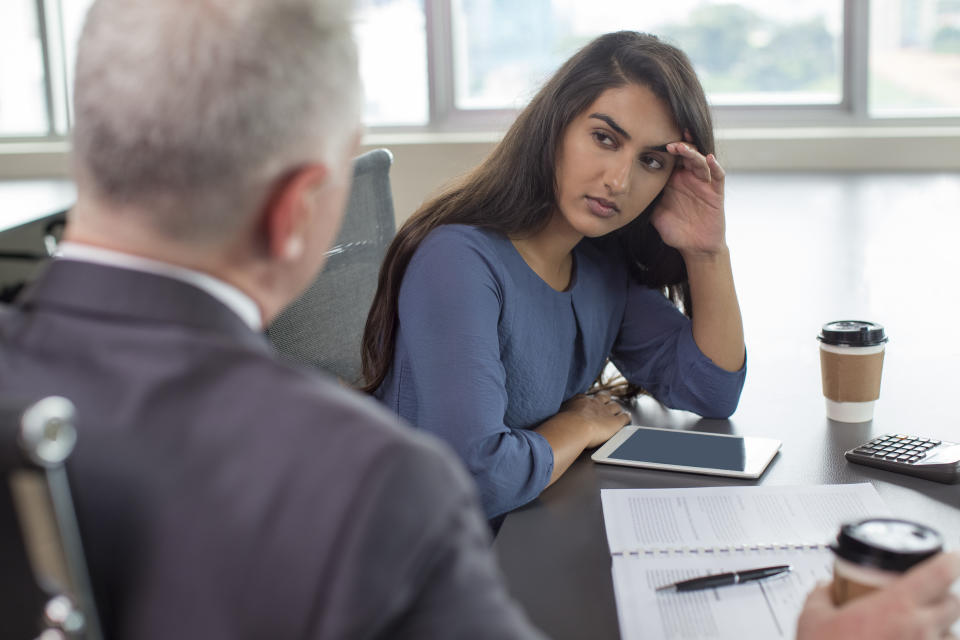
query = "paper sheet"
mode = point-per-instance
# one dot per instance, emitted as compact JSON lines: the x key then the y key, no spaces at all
{"x":717,"y":517}
{"x":660,"y":536}
{"x":762,"y":610}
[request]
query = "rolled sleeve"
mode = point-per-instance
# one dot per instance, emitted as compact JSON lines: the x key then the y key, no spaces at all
{"x":656,"y":350}
{"x":708,"y":390}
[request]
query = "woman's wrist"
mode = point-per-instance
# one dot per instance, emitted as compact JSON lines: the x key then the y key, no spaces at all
{"x":706,"y":257}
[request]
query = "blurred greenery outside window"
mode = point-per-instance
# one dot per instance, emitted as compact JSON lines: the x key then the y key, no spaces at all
{"x":914,"y":58}
{"x":455,"y":64}
{"x":752,"y":52}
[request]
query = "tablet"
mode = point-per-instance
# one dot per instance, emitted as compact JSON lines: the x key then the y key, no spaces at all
{"x":691,"y":451}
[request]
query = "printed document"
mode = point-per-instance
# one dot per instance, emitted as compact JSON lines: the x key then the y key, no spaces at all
{"x":660,"y":536}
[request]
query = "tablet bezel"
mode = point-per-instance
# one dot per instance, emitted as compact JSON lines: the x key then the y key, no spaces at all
{"x":759,"y":453}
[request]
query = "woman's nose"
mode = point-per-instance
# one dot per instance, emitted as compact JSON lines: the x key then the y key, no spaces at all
{"x":617,"y":175}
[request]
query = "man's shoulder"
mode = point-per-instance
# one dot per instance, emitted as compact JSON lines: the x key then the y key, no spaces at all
{"x":316,"y":406}
{"x":304,"y":392}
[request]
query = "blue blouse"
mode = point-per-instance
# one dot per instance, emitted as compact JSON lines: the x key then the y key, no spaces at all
{"x":486,"y":351}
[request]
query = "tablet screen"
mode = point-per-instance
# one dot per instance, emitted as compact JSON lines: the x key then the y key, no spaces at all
{"x":684,"y":448}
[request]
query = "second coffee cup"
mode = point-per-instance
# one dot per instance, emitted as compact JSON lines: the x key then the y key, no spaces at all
{"x":851,"y":364}
{"x":872,"y":553}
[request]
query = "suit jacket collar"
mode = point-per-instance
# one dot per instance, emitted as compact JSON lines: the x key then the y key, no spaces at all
{"x":132,"y":296}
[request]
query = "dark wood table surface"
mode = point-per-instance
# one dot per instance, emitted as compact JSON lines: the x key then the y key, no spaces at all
{"x":806,"y":249}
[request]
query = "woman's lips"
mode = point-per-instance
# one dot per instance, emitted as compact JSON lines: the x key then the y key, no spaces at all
{"x":601,"y":207}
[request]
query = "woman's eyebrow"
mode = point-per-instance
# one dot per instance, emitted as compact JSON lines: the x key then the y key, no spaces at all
{"x":616,"y":127}
{"x":613,"y":124}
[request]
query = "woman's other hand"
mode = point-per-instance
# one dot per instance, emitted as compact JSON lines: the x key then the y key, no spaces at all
{"x":689,"y":216}
{"x":584,"y":421}
{"x":601,"y":414}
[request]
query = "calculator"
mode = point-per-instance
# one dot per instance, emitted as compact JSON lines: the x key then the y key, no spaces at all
{"x":914,"y":455}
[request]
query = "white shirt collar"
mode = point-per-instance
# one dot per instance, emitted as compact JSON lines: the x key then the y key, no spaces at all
{"x":235,"y":299}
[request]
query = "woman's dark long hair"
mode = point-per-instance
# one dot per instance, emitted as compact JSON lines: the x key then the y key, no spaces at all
{"x":514,"y":190}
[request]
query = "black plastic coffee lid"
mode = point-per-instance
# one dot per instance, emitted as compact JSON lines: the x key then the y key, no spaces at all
{"x":852,"y":333}
{"x":887,"y":543}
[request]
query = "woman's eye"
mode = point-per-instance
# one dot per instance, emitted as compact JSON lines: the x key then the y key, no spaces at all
{"x":604,"y":139}
{"x":651,"y":162}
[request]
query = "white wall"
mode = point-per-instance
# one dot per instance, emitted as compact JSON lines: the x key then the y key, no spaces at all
{"x":424,"y":162}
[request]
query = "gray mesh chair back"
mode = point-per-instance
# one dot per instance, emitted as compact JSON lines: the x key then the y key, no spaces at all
{"x":323,"y":327}
{"x":45,"y":589}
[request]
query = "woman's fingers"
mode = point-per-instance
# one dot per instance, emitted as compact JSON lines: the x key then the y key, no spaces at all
{"x":613,"y":405}
{"x":692,"y":159}
{"x":716,"y":171}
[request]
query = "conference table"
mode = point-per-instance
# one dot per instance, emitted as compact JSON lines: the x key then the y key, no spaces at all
{"x":25,"y":201}
{"x":806,"y":249}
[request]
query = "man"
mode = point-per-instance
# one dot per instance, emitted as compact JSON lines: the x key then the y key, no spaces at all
{"x":212,"y":155}
{"x":212,"y":152}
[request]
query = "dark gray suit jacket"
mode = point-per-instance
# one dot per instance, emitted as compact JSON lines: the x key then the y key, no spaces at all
{"x":271,"y":503}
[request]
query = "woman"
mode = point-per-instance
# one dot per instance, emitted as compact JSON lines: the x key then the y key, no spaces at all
{"x":501,"y":300}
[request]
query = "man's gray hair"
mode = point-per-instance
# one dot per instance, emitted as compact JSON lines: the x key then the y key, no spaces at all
{"x":190,"y":109}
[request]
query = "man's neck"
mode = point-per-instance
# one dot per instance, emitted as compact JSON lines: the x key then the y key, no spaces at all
{"x":231,"y":296}
{"x":238,"y":261}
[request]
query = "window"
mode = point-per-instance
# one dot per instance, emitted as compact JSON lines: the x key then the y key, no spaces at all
{"x":753,"y":52}
{"x":462,"y":64}
{"x":392,"y":42}
{"x":914,"y":58}
{"x":23,"y":110}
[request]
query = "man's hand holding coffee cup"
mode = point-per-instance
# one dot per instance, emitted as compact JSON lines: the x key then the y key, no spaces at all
{"x":917,"y":604}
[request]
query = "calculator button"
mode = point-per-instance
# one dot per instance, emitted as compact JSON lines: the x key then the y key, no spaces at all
{"x":914,"y":459}
{"x":903,"y":457}
{"x":934,"y":442}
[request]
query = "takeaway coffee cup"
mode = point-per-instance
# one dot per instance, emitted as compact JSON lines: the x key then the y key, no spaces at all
{"x":871,"y":553}
{"x":851,"y":362}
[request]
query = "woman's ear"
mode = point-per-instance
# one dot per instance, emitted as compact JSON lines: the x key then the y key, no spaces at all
{"x":289,"y":212}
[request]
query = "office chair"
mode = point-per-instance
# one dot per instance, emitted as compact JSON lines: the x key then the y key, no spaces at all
{"x":45,"y":589}
{"x":324,"y":327}
{"x":52,"y":231}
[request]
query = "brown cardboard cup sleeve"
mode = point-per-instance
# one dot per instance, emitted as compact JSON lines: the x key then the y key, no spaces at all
{"x":851,"y":378}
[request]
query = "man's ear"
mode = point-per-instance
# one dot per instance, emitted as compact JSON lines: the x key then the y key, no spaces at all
{"x":287,"y":217}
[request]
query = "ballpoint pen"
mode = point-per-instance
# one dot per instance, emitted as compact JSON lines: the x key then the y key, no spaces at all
{"x":724,"y":579}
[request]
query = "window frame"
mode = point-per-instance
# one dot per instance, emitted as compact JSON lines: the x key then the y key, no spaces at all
{"x":851,"y":111}
{"x":446,"y":118}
